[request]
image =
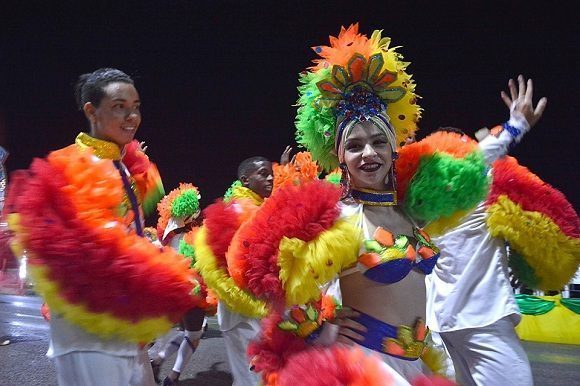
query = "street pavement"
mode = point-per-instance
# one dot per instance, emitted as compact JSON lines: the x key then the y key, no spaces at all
{"x":24,"y":340}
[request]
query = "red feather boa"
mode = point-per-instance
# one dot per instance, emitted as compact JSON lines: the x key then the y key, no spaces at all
{"x":301,"y":212}
{"x":221,"y":222}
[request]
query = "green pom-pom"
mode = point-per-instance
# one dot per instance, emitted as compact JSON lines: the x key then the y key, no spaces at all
{"x":186,"y":204}
{"x":333,"y":178}
{"x":315,"y":124}
{"x":444,"y":185}
{"x":188,"y":251}
{"x":522,"y":270}
{"x":231,"y":189}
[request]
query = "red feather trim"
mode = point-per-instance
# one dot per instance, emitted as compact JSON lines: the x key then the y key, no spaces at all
{"x":272,"y":350}
{"x":221,"y":222}
{"x":410,"y":155}
{"x":334,"y":366}
{"x":528,"y":190}
{"x":134,"y":159}
{"x":101,"y":267}
{"x":301,"y":212}
{"x":407,"y":164}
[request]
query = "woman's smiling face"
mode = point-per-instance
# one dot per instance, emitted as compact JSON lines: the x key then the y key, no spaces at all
{"x":368,"y":156}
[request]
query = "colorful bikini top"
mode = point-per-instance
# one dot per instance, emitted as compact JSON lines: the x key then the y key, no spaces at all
{"x":388,"y":259}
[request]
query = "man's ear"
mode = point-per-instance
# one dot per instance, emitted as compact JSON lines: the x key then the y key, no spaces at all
{"x":90,"y":112}
{"x":244,"y":181}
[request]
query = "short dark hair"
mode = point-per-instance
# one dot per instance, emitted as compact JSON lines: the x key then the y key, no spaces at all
{"x":90,"y":87}
{"x":248,"y":165}
{"x":450,"y":129}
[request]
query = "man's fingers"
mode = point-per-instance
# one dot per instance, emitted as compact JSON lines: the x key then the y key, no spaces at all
{"x":521,"y":86}
{"x":541,"y":107}
{"x":529,"y":91}
{"x":512,"y":88}
{"x":506,"y":100}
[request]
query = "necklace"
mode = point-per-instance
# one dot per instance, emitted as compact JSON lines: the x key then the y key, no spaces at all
{"x":375,"y":197}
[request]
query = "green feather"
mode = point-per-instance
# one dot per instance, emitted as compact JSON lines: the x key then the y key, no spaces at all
{"x":315,"y":124}
{"x":230,"y":191}
{"x":188,"y":251}
{"x":186,"y":204}
{"x":522,"y":270}
{"x":444,"y":185}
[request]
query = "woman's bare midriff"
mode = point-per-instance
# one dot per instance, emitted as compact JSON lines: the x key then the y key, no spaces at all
{"x":399,"y":303}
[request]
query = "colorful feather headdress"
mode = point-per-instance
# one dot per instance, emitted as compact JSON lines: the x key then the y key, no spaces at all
{"x":356,"y":78}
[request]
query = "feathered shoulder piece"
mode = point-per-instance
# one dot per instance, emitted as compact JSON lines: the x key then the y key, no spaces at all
{"x":355,"y":77}
{"x":294,"y":243}
{"x":538,"y":222}
{"x":85,"y":262}
{"x":145,"y":174}
{"x":440,"y":178}
{"x":221,"y":221}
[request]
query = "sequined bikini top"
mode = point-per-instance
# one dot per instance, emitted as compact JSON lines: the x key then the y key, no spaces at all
{"x":388,"y":259}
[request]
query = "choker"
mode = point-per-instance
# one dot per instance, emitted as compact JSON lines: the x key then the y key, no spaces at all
{"x":374,"y":197}
{"x":101,"y":148}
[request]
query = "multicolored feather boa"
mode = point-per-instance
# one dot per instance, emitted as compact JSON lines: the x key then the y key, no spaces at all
{"x":221,"y":221}
{"x":294,"y":244}
{"x":539,"y":224}
{"x":440,"y":178}
{"x":66,"y":212}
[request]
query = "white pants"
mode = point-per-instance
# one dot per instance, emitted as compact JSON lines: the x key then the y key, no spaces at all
{"x":489,"y":356}
{"x":236,"y":340}
{"x":93,"y":368}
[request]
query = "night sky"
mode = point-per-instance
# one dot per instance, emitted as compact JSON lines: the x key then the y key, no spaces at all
{"x":218,"y":78}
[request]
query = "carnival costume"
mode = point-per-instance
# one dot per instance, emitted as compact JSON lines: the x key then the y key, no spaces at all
{"x":302,"y":237}
{"x":78,"y":215}
{"x":470,"y":298}
{"x":70,"y":212}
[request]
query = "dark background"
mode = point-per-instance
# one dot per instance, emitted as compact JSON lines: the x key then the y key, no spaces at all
{"x":218,"y":78}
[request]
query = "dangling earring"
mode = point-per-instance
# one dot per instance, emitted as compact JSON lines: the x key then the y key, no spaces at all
{"x":345,"y":182}
{"x":393,"y":175}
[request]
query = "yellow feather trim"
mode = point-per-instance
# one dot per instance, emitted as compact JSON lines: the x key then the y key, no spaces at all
{"x":104,"y":325}
{"x":434,"y":359}
{"x":444,"y":224}
{"x":304,"y":266}
{"x":553,"y":255}
{"x":17,"y":242}
{"x":224,"y":286}
{"x":241,"y":192}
